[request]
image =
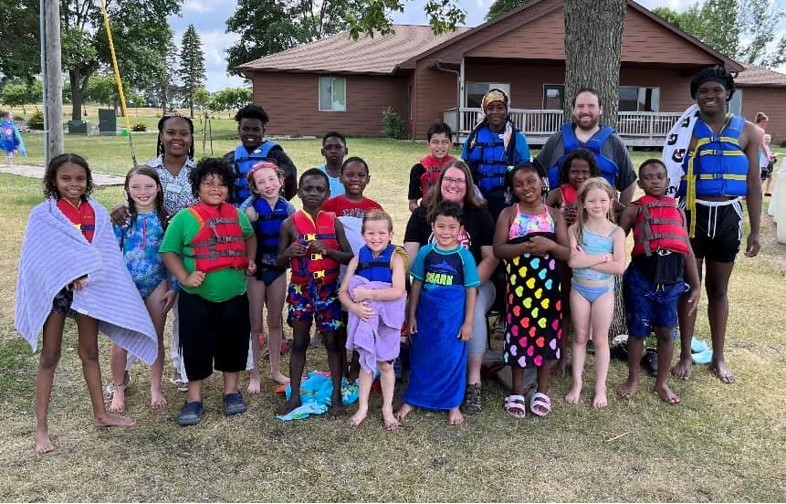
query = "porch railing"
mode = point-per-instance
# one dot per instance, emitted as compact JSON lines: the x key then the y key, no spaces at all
{"x":638,"y":127}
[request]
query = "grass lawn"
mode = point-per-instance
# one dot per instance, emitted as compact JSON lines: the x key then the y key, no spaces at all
{"x":721,"y":443}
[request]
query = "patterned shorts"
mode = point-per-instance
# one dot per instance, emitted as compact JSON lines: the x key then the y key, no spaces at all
{"x":307,"y":302}
{"x":61,"y":304}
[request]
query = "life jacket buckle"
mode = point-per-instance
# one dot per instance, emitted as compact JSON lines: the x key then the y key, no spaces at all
{"x":316,"y":257}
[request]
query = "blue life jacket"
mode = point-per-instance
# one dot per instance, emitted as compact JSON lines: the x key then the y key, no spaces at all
{"x":267,"y":228}
{"x":488,"y":158}
{"x":608,"y":168}
{"x":375,"y":269}
{"x":243,"y":164}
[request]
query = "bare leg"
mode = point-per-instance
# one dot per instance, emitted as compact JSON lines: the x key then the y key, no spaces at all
{"x":194,"y":393}
{"x":256,"y":297}
{"x":687,"y":321}
{"x":544,"y":377}
{"x":47,"y":363}
{"x":297,"y":361}
{"x":717,"y":284}
{"x":602,"y":313}
{"x":230,"y":382}
{"x":117,"y":367}
{"x":275,"y":297}
{"x":365,"y":390}
{"x":388,"y":381}
{"x":561,"y":368}
{"x":580,"y":311}
{"x":335,"y":363}
{"x":635,"y":350}
{"x":665,"y":351}
{"x":155,"y":307}
{"x":88,"y":353}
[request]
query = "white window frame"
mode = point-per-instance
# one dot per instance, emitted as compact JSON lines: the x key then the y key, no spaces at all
{"x":330,"y":107}
{"x":505,"y":86}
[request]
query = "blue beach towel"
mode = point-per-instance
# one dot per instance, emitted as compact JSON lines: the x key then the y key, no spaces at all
{"x":315,"y":392}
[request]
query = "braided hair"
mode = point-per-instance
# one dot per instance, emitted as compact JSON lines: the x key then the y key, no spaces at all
{"x":160,"y":144}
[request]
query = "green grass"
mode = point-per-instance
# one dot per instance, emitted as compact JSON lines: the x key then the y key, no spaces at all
{"x":722,"y":443}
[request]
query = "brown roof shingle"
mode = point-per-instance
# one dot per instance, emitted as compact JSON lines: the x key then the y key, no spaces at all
{"x":758,"y":76}
{"x":340,"y":54}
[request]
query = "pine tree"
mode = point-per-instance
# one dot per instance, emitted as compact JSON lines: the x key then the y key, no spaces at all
{"x":192,"y":66}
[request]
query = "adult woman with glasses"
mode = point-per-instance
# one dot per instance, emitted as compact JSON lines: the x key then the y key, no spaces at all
{"x":456,"y":184}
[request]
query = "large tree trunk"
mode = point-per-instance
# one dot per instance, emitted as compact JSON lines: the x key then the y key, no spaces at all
{"x":593,"y":43}
{"x":76,"y":94}
{"x":593,"y":46}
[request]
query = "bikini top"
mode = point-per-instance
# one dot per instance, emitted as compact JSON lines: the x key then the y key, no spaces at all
{"x":595,"y":243}
{"x":527,"y":224}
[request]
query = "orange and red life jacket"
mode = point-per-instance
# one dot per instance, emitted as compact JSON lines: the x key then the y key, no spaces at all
{"x":219,"y":243}
{"x":659,"y":226}
{"x":315,"y":267}
{"x":433,"y":168}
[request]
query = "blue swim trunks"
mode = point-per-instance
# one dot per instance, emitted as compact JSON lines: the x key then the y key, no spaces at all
{"x":319,"y":301}
{"x":649,"y":305}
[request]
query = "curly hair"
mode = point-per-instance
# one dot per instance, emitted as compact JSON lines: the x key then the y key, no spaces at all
{"x":580,"y":153}
{"x":535,"y":167}
{"x":252,"y":112}
{"x":160,"y":144}
{"x":50,"y":176}
{"x":714,"y":74}
{"x":147,"y":172}
{"x":211,"y":166}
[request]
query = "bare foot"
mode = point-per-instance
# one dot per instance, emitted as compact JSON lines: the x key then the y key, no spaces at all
{"x":42,"y":442}
{"x":574,"y":394}
{"x":389,"y":420}
{"x":561,"y":369}
{"x":402,"y":412}
{"x":157,"y":399}
{"x":358,"y":418}
{"x":118,"y":404}
{"x":280,"y":378}
{"x":600,"y":401}
{"x":683,"y":369}
{"x":288,"y":407}
{"x":666,"y":394}
{"x":455,"y":417}
{"x":110,"y":420}
{"x":254,"y":385}
{"x":337,"y":410}
{"x":722,"y":371}
{"x":628,"y":389}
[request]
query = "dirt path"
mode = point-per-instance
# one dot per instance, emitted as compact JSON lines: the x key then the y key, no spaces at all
{"x":99,"y":179}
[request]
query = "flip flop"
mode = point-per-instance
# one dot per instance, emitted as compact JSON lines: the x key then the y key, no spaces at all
{"x":539,"y":404}
{"x":702,"y":358}
{"x":516,"y":406}
{"x":698,"y":346}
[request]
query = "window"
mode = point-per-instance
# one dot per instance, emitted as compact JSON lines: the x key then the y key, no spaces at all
{"x":639,"y":99}
{"x":476,"y":90}
{"x":553,"y":96}
{"x":333,"y":94}
{"x":735,"y":105}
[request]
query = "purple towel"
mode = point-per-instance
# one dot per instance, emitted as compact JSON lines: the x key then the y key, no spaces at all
{"x":378,"y":338}
{"x":55,"y":253}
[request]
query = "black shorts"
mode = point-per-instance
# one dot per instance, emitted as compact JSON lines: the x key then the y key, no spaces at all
{"x":718,"y":230}
{"x":213,"y":332}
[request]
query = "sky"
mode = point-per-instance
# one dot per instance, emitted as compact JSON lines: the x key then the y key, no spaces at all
{"x":209,"y":18}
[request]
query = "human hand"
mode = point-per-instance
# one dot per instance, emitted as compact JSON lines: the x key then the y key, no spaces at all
{"x":361,"y":294}
{"x":168,"y":300}
{"x":465,"y":332}
{"x":194,"y":280}
{"x":251,"y":213}
{"x":251,"y":268}
{"x":120,"y":215}
{"x":540,"y":245}
{"x":693,"y":299}
{"x":296,"y":249}
{"x":317,"y":247}
{"x":752,"y":250}
{"x":79,"y":284}
{"x":362,"y":310}
{"x":412,"y":326}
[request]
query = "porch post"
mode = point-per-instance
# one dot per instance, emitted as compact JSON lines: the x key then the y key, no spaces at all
{"x":461,"y":98}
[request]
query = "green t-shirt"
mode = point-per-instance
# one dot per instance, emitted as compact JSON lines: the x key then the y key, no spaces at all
{"x":219,"y":285}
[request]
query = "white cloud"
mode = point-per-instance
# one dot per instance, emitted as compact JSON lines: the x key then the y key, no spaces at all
{"x":201,"y":6}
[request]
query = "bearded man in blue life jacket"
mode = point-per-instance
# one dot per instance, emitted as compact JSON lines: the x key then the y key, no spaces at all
{"x":251,"y":123}
{"x":586,"y":131}
{"x":720,"y":169}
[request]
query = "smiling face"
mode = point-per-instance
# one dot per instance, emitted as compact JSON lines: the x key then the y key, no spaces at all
{"x":439,"y":145}
{"x":213,"y":190}
{"x":454,"y":185}
{"x":355,"y":178}
{"x":313,"y":192}
{"x":527,"y":186}
{"x":597,"y":203}
{"x":587,"y":111}
{"x":176,"y":137}
{"x":143,"y":191}
{"x":496,"y":113}
{"x":711,"y":97}
{"x":377,"y":234}
{"x":578,"y":172}
{"x":251,"y":132}
{"x":71,"y":182}
{"x":446,"y":231}
{"x":267,"y":183}
{"x":653,"y":179}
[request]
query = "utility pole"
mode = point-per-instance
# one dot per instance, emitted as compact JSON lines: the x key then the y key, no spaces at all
{"x":52,"y":77}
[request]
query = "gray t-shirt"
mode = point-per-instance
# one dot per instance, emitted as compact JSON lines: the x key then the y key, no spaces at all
{"x":613,"y":148}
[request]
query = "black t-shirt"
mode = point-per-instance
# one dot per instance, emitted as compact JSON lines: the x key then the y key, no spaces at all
{"x":478,"y":225}
{"x":415,"y":192}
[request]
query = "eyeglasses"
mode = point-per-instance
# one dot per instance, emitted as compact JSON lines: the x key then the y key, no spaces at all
{"x":213,"y":184}
{"x":451,"y":180}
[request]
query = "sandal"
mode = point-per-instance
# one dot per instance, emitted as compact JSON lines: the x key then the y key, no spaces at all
{"x":472,"y":402}
{"x":539,"y":404}
{"x":516,"y":406}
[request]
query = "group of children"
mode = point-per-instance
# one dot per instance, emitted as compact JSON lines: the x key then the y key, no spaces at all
{"x":221,"y":260}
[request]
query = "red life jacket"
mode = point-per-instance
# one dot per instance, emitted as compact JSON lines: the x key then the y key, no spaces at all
{"x":433,"y":168}
{"x":659,"y":226}
{"x":219,"y":243}
{"x":316,"y":267}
